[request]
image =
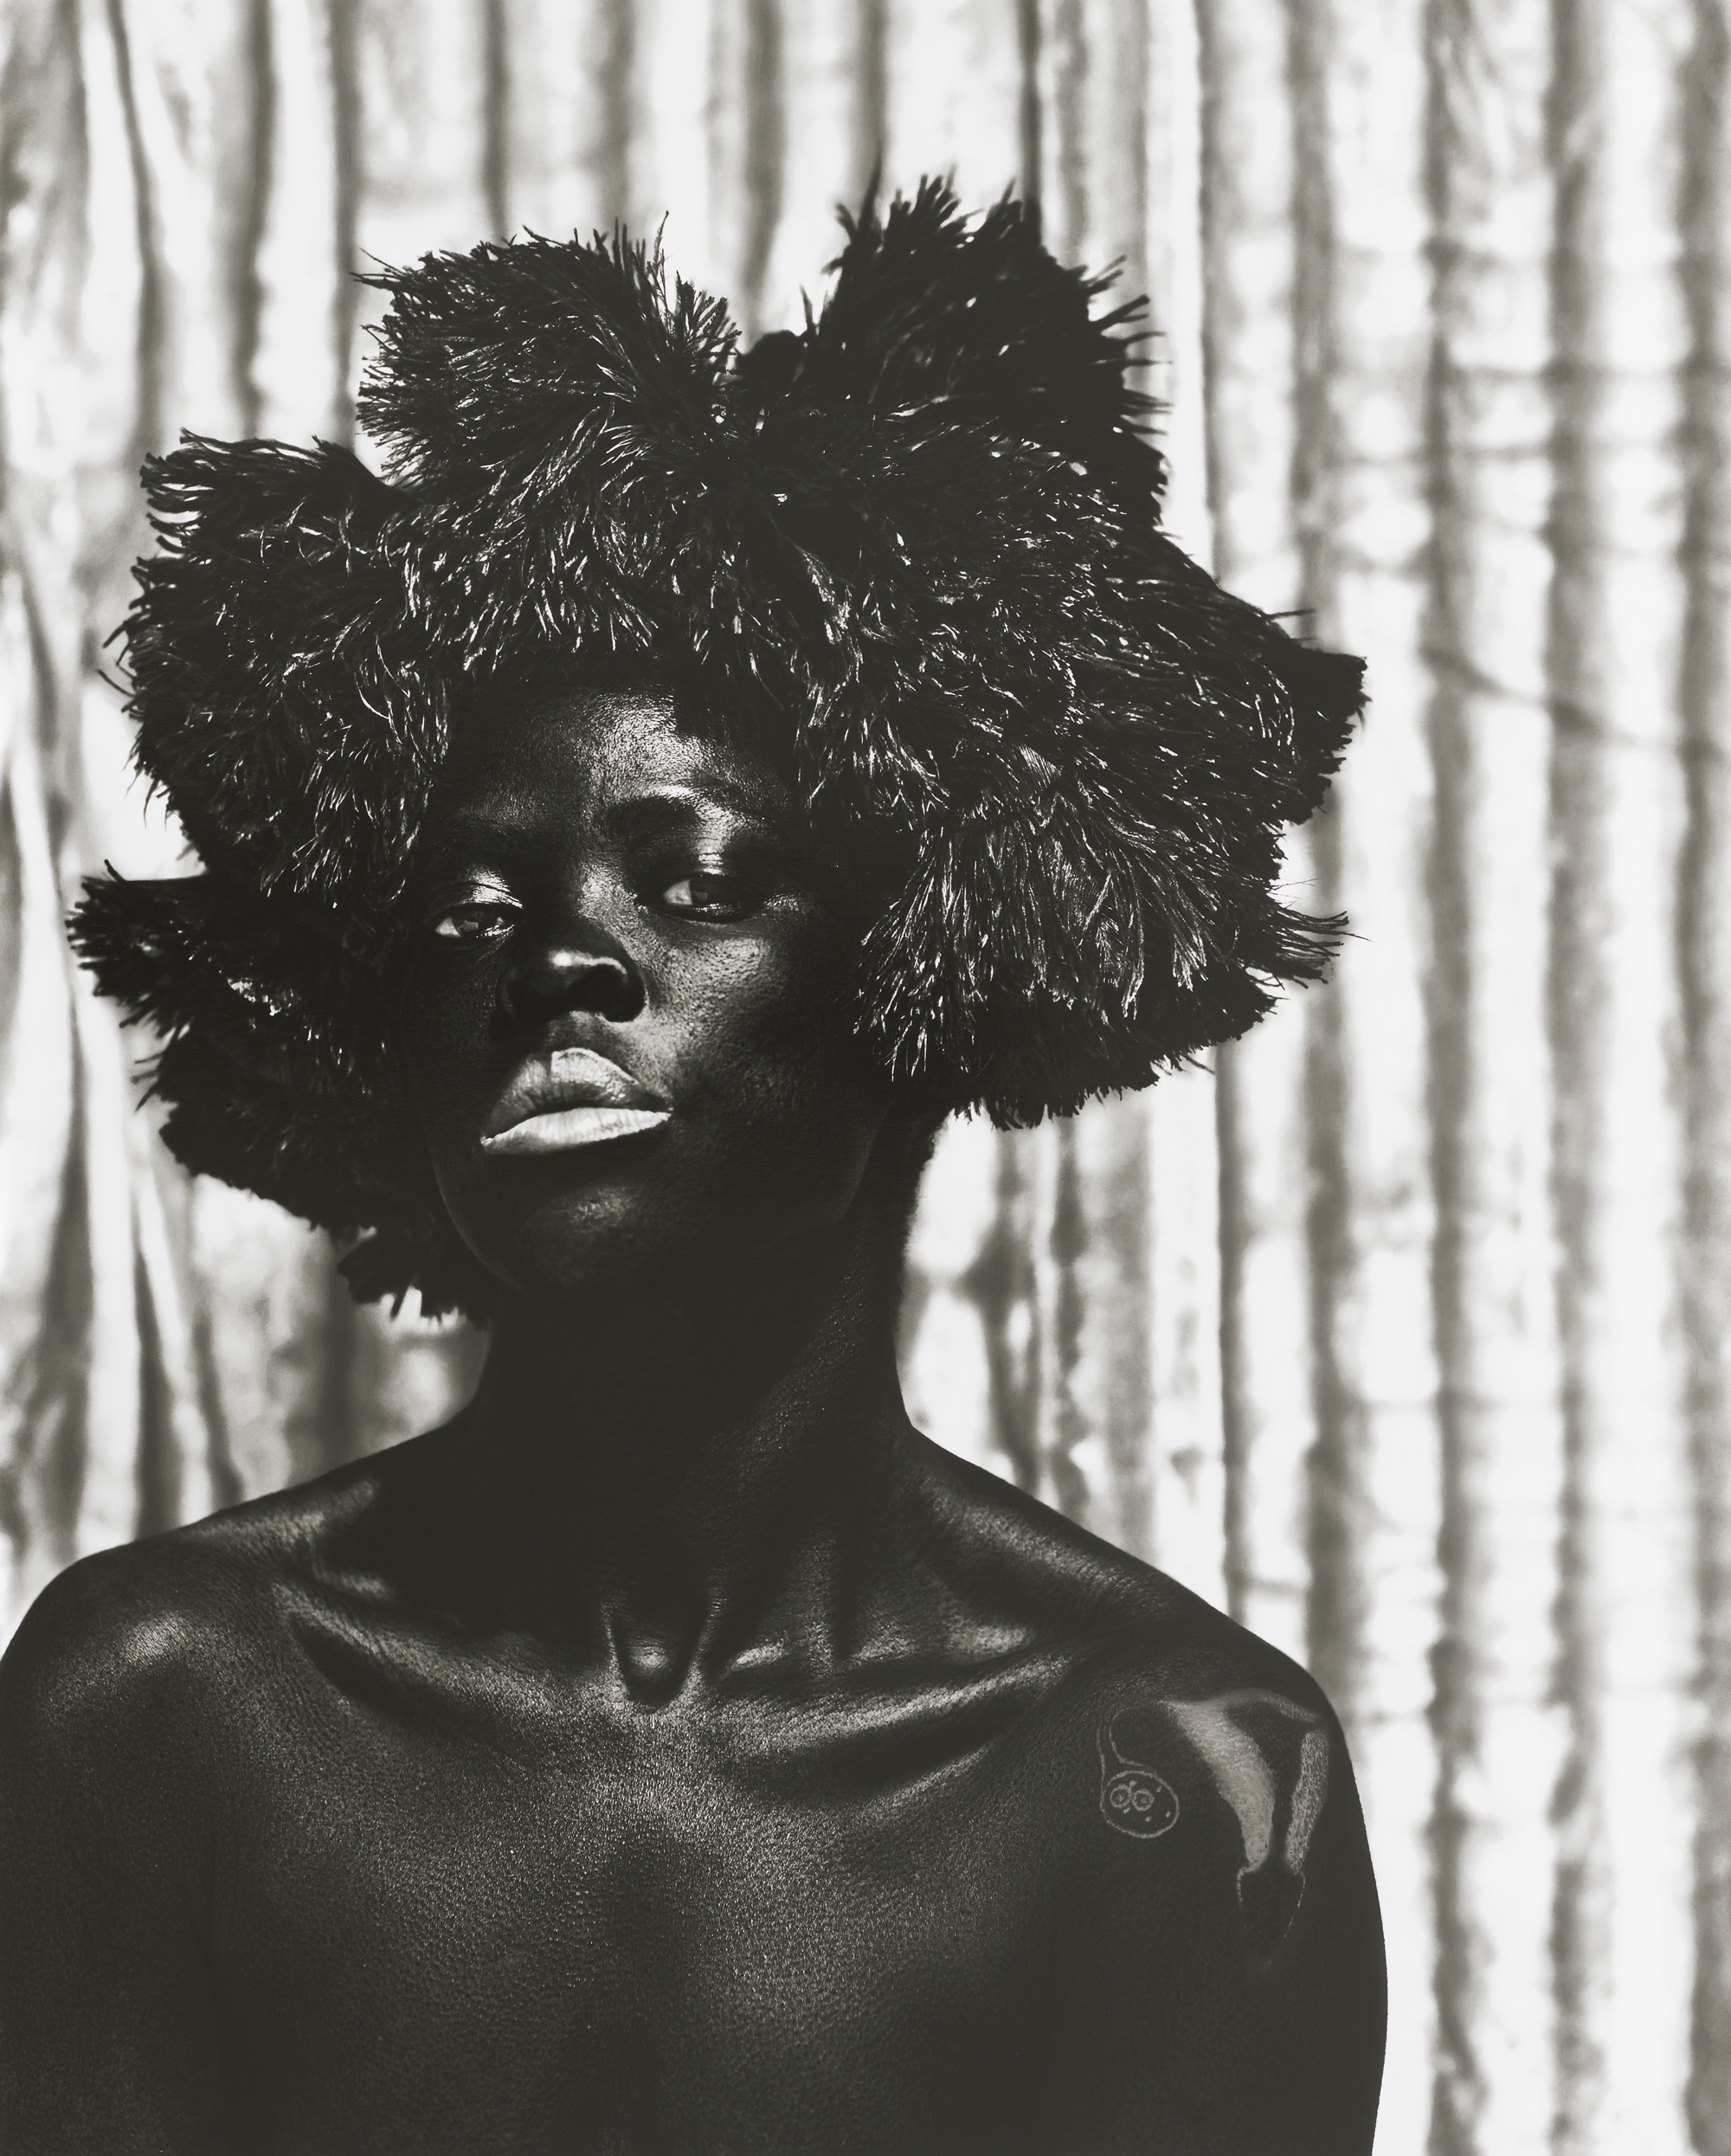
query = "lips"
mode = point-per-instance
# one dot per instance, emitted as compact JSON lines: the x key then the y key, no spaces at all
{"x":566,"y":1097}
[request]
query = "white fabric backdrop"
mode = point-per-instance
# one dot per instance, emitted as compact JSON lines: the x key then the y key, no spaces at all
{"x":1400,"y":1331}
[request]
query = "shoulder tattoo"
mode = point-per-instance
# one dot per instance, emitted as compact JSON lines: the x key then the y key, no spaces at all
{"x":1133,"y":1798}
{"x":1267,"y":1760}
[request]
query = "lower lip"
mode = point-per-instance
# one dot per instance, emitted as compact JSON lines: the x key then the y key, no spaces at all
{"x":570,"y":1127}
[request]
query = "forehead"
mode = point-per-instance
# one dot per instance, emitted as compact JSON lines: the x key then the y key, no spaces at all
{"x":570,"y":756}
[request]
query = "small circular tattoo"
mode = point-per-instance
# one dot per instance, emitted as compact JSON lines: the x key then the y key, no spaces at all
{"x":1133,"y":1798}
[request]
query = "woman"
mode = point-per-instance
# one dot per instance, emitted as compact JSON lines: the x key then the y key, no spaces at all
{"x":628,"y":834}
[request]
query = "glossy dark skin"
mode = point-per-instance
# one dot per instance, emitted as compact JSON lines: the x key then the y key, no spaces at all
{"x":677,"y":1751}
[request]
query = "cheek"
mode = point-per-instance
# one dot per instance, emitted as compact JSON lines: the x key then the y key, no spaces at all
{"x":770,"y":1073}
{"x":445,"y":1022}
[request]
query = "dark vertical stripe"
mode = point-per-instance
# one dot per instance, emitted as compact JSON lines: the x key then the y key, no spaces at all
{"x":615,"y":89}
{"x":1235,"y":1347}
{"x":871,"y":86}
{"x":1577,"y":904}
{"x":57,"y":1420}
{"x":765,"y":153}
{"x":54,"y":707}
{"x":149,"y":329}
{"x":1067,"y":1242}
{"x":495,"y":117}
{"x":1028,"y":115}
{"x":158,"y":1466}
{"x":11,"y":913}
{"x":15,"y":1518}
{"x":1458,"y":2091}
{"x":1000,"y":1285}
{"x":249,"y":210}
{"x":1125,"y":1321}
{"x":1335,"y":1619}
{"x":225,"y":1481}
{"x":345,"y":141}
{"x":1703,"y":956}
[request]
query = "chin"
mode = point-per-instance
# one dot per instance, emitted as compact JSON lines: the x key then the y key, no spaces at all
{"x":587,"y":1239}
{"x":598,"y":1240}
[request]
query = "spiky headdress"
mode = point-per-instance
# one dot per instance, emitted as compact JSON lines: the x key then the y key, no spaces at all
{"x":912,"y":554}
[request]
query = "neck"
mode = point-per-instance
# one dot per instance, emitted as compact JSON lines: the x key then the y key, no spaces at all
{"x":692,"y":1473}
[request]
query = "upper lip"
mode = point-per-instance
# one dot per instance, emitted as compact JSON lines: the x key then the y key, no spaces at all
{"x":560,"y":1078}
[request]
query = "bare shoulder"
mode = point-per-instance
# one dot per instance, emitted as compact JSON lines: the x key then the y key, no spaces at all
{"x":1221,"y":1943}
{"x":1218,"y":1774}
{"x":1199,"y":1823}
{"x":1128,"y":1625}
{"x":139,"y":1702}
{"x":130,"y":1652}
{"x":1216,"y":1933}
{"x":1186,"y":1720}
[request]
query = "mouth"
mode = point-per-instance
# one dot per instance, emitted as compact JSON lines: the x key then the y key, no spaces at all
{"x":567,"y":1097}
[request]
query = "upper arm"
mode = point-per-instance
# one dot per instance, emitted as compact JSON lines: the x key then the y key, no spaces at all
{"x":1227,"y":1973}
{"x":107,"y":2028}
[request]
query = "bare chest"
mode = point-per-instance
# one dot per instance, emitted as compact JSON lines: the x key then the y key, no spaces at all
{"x":437,"y":1939}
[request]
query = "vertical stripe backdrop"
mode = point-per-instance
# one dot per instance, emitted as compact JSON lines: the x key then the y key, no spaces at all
{"x":1397,"y":1331}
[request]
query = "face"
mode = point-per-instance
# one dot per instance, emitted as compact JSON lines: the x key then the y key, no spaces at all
{"x":625,"y":1019}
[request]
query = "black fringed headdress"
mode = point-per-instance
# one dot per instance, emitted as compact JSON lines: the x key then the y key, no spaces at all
{"x":912,"y":555}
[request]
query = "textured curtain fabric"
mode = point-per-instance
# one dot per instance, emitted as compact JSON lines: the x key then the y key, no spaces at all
{"x":1398,"y":1331}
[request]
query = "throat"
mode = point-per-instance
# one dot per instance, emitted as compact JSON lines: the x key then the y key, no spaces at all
{"x":677,"y":1554}
{"x":686,"y":1482}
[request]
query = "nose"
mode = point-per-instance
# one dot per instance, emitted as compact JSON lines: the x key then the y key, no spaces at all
{"x":559,"y":977}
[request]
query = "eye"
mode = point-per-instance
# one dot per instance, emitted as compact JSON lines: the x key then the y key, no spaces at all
{"x":708,"y":897}
{"x":480,"y":921}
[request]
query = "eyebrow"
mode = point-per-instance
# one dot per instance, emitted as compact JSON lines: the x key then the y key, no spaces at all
{"x":639,"y":817}
{"x":671,"y":808}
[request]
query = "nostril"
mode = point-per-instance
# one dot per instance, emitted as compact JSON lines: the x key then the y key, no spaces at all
{"x":617,"y":991}
{"x":554,"y":981}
